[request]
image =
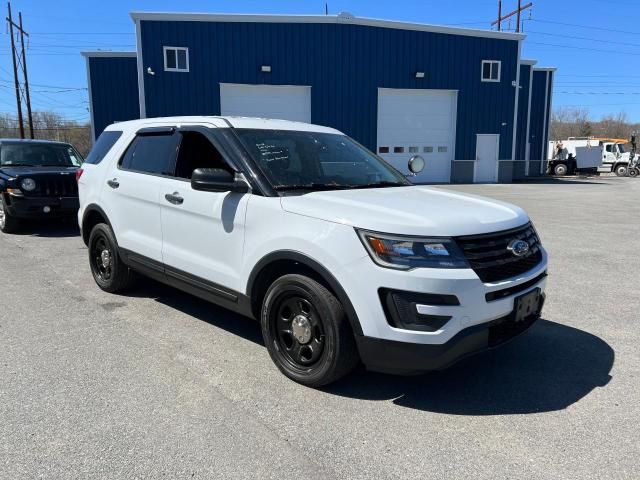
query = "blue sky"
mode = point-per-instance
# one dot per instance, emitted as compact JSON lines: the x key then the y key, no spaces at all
{"x":594,"y":43}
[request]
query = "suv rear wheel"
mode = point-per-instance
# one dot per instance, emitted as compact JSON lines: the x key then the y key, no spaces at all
{"x":8,"y":224}
{"x":306,"y":331}
{"x":108,"y":270}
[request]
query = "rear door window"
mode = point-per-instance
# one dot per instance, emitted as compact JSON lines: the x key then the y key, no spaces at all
{"x":154,"y":154}
{"x":106,"y":140}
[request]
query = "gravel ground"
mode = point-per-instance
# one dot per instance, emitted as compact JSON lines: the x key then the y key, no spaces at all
{"x":158,"y":384}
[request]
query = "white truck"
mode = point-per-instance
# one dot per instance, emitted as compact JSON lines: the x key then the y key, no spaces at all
{"x":564,"y":159}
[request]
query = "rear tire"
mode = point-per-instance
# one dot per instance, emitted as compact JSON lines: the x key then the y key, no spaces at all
{"x":8,"y":223}
{"x":306,"y":331}
{"x":560,"y":170}
{"x":633,"y":172}
{"x":108,"y":270}
{"x":620,"y":170}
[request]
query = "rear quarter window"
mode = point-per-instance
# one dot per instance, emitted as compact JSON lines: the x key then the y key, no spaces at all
{"x":105,"y":142}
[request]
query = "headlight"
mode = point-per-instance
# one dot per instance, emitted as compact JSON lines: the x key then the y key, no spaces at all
{"x":28,"y":184}
{"x":405,"y":253}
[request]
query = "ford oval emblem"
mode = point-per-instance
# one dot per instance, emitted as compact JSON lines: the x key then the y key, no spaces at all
{"x":518,"y":247}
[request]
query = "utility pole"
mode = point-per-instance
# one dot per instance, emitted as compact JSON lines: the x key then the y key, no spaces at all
{"x":509,"y":15}
{"x":26,"y":76}
{"x":15,"y":73}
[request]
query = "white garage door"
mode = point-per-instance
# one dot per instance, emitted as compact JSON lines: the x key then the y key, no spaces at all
{"x":418,"y":122}
{"x":285,"y":102}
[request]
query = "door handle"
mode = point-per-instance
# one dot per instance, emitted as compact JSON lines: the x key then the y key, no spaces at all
{"x":113,"y":183}
{"x":174,"y":198}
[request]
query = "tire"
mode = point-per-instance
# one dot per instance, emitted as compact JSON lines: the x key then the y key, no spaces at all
{"x":306,"y":331}
{"x":633,"y":172}
{"x":8,"y":223}
{"x":560,"y":170}
{"x":108,"y":270}
{"x":620,"y":170}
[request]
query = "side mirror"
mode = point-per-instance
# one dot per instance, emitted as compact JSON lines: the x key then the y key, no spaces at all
{"x":217,"y":180}
{"x":416,"y":164}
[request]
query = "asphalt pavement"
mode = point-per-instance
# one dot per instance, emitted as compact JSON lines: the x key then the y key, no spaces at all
{"x":159,"y":384}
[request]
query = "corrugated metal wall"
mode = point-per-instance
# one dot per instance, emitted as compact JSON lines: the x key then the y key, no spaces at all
{"x":539,"y":100}
{"x":344,"y":64}
{"x":523,"y":112}
{"x":114,"y":90}
{"x":545,"y":145}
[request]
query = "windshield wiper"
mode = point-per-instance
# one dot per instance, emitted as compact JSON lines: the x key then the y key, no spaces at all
{"x":382,"y":185}
{"x":17,"y":165}
{"x":311,"y":186}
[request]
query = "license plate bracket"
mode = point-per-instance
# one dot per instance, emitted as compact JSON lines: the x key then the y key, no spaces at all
{"x":527,"y":306}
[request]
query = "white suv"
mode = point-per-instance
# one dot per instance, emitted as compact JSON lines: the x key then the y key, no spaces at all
{"x":337,"y":254}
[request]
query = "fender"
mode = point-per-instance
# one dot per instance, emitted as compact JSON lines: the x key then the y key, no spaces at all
{"x":87,"y":211}
{"x":318,"y":268}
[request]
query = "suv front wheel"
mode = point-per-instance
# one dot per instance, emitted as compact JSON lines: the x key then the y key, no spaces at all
{"x":307,"y":332}
{"x":108,"y":270}
{"x":8,"y":224}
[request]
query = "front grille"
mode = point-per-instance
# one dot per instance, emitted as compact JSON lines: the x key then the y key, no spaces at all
{"x":56,"y":186}
{"x":489,"y":258}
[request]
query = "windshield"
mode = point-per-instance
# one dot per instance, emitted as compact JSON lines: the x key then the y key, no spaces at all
{"x":294,"y":160}
{"x":39,"y":155}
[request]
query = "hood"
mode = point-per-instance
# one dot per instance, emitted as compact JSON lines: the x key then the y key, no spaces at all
{"x":34,"y":171}
{"x":412,"y":210}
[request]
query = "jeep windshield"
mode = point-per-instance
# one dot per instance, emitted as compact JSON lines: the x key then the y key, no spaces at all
{"x":29,"y":154}
{"x":297,"y":160}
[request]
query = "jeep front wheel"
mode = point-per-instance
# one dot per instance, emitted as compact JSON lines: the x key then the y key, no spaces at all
{"x":306,"y":331}
{"x":8,"y":223}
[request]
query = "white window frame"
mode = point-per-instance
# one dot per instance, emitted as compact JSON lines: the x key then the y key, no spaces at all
{"x":491,"y":62}
{"x":177,"y":49}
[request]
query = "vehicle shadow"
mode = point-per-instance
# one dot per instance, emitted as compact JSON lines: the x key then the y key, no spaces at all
{"x":202,"y":310}
{"x":49,"y":228}
{"x":548,"y":368}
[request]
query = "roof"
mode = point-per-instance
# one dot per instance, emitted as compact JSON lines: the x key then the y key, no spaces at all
{"x":105,"y":53}
{"x":224,"y":122}
{"x":545,"y":69}
{"x":342,"y":18}
{"x":524,"y":61}
{"x":32,"y":140}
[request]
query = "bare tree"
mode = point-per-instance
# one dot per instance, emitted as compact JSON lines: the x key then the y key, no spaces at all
{"x":50,"y":126}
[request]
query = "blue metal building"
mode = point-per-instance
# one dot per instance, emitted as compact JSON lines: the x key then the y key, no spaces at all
{"x":112,"y":79}
{"x":458,"y":97}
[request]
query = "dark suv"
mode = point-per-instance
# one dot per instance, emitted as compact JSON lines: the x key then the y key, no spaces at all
{"x":37,"y":180}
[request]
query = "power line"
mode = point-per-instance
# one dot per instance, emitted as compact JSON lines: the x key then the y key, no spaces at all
{"x":573,"y":37}
{"x":584,"y":48}
{"x":585,"y":26}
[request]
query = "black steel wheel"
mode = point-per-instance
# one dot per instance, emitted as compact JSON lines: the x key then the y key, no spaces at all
{"x":298,"y":330}
{"x":8,"y":223}
{"x":306,"y":331}
{"x":108,"y":270}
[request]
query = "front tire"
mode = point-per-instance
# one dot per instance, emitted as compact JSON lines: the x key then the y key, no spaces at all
{"x":306,"y":331}
{"x":108,"y":270}
{"x":620,"y":170}
{"x":8,"y":223}
{"x":560,"y":170}
{"x":633,"y":172}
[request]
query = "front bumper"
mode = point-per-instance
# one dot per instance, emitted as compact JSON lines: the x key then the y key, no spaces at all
{"x":34,"y":207}
{"x":390,"y":356}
